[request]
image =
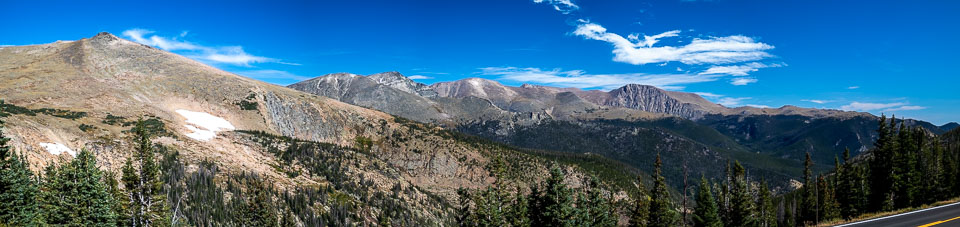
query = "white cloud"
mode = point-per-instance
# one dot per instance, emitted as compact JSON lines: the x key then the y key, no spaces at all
{"x":228,"y":54}
{"x":853,"y":87}
{"x":271,"y":74}
{"x":738,"y":70}
{"x":419,"y":77}
{"x":564,"y":6}
{"x":731,"y":101}
{"x":902,"y":108}
{"x":816,"y":101}
{"x":866,"y":106}
{"x":580,"y":79}
{"x":708,"y":95}
{"x":712,"y":50}
{"x":742,"y":81}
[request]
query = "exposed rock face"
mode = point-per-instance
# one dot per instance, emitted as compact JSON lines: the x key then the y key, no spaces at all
{"x":396,"y":80}
{"x":389,"y":92}
{"x":650,"y":99}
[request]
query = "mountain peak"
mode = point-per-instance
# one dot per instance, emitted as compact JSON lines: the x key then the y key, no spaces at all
{"x":388,"y":77}
{"x":105,"y":35}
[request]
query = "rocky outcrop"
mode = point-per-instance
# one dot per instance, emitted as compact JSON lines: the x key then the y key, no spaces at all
{"x":398,"y":81}
{"x":650,"y":99}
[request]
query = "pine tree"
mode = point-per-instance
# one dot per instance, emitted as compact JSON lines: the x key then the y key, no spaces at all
{"x":555,"y":202}
{"x":947,"y":175}
{"x":851,"y":192}
{"x":881,"y":167}
{"x":491,"y":203}
{"x":808,"y":202}
{"x":121,"y":206}
{"x":904,"y":168}
{"x":517,"y":214}
{"x":597,"y":207}
{"x":76,"y":195}
{"x":766,"y":215}
{"x":258,"y":208}
{"x":463,"y":208}
{"x":144,"y":185}
{"x":723,"y":194}
{"x":18,"y":189}
{"x":641,"y":208}
{"x":706,"y":213}
{"x":827,"y":204}
{"x":662,"y":212}
{"x":742,"y":212}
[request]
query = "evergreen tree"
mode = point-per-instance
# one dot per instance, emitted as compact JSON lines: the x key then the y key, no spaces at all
{"x":662,"y":212}
{"x":904,"y":168}
{"x":258,"y":208}
{"x":597,"y":207}
{"x":556,"y":201}
{"x":723,"y":195}
{"x":491,"y":203}
{"x":742,"y":212}
{"x":706,"y":213}
{"x":766,"y":215}
{"x":948,"y":173}
{"x":463,"y":208}
{"x":851,"y":188}
{"x":18,"y":189}
{"x":881,"y":167}
{"x":76,"y":195}
{"x":808,"y":202}
{"x":641,"y":208}
{"x":121,"y":206}
{"x":517,"y":214}
{"x":827,"y":204}
{"x":144,"y":185}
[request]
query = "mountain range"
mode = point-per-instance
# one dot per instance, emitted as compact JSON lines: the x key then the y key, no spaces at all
{"x":632,"y":123}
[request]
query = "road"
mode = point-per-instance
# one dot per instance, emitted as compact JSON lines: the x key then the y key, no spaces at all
{"x":941,"y":216}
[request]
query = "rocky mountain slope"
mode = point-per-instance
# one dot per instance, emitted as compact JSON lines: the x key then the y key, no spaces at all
{"x":527,"y":116}
{"x":67,"y":96}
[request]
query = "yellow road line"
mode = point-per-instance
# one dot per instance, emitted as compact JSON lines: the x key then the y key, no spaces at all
{"x":939,"y":222}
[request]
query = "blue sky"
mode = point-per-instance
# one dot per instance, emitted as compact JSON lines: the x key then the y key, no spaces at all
{"x":894,"y":57}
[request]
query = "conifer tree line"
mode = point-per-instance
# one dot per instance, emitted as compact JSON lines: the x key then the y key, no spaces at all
{"x":907,"y":167}
{"x":551,"y":203}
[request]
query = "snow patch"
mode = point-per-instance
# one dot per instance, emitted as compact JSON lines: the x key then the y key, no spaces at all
{"x":57,"y":149}
{"x":204,"y":125}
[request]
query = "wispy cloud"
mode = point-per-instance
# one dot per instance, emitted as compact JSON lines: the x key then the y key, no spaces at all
{"x":816,"y":101}
{"x":712,"y":50}
{"x":708,"y":94}
{"x":271,"y":74}
{"x":742,"y":81}
{"x":564,"y":6}
{"x":581,"y":79}
{"x":738,"y":70}
{"x":853,"y":87}
{"x":731,"y":101}
{"x":419,"y":77}
{"x":903,"y":108}
{"x":234,"y":55}
{"x":866,"y":106}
